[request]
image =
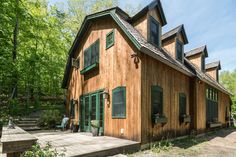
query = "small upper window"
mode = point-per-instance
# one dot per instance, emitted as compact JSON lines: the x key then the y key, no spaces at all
{"x":110,"y":39}
{"x":179,"y":50}
{"x":75,"y":63}
{"x":154,"y":32}
{"x":203,"y":63}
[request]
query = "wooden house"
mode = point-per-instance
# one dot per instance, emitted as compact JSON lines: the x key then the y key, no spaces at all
{"x":138,"y":82}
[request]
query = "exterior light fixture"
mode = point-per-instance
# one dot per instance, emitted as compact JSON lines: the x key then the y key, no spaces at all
{"x":105,"y":95}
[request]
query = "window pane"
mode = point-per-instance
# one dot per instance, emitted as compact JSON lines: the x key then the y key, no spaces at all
{"x":157,"y":100}
{"x":119,"y":102}
{"x":179,"y":49}
{"x":154,"y":32}
{"x":182,"y":104}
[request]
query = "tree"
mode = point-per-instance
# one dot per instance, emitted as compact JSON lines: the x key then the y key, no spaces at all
{"x":228,"y":79}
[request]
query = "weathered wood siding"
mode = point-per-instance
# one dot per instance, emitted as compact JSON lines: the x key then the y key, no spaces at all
{"x":196,"y":60}
{"x":116,"y":68}
{"x":142,"y":24}
{"x":173,"y":83}
{"x":199,"y":106}
{"x":212,"y":72}
{"x":170,"y":45}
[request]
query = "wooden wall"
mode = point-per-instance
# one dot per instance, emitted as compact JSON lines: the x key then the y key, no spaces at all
{"x":199,"y":106}
{"x":170,"y":45}
{"x":196,"y":60}
{"x":172,"y":82}
{"x":212,"y":72}
{"x":142,"y":24}
{"x":116,"y":68}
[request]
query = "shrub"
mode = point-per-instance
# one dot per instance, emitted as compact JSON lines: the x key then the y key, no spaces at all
{"x":47,"y":151}
{"x":161,"y":146}
{"x":49,"y":119}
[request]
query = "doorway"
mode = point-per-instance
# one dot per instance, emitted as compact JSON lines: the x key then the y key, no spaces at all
{"x":92,"y":108}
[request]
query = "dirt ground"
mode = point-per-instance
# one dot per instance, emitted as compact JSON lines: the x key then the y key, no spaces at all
{"x":221,"y":143}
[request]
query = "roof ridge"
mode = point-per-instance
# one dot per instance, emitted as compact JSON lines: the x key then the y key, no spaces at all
{"x":178,"y":27}
{"x":195,"y":48}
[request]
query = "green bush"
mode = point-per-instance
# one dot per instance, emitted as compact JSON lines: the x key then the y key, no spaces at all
{"x":47,"y":151}
{"x":49,"y":119}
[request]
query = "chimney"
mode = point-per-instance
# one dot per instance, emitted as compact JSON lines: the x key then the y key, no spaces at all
{"x":212,"y":69}
{"x":173,"y":41}
{"x":197,"y":57}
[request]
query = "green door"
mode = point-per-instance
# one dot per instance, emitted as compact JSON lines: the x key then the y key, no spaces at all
{"x":87,"y":117}
{"x":92,"y":108}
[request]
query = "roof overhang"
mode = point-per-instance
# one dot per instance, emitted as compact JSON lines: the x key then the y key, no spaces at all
{"x":174,"y":33}
{"x":154,"y":4}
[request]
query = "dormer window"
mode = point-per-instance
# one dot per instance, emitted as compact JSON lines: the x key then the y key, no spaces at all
{"x":179,"y":50}
{"x":203,"y":62}
{"x":154,"y":32}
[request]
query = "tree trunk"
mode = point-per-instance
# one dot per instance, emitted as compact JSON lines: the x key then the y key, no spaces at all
{"x":14,"y":51}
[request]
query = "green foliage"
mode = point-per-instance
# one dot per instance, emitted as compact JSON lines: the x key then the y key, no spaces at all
{"x":47,"y":151}
{"x":44,"y":37}
{"x":228,"y":79}
{"x":163,"y":145}
{"x":50,"y":119}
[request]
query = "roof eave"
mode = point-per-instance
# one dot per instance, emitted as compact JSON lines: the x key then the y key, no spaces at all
{"x":152,"y":54}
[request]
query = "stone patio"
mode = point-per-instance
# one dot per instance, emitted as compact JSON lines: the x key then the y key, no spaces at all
{"x":82,"y":144}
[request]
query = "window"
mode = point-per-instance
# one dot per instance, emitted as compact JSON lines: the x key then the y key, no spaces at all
{"x":182,"y":104}
{"x":154,"y":32}
{"x":75,"y":63}
{"x":110,"y":39}
{"x":179,"y":50}
{"x":157,"y":100}
{"x":211,"y":104}
{"x":91,"y":57}
{"x":203,"y":62}
{"x":72,"y":108}
{"x":119,"y":102}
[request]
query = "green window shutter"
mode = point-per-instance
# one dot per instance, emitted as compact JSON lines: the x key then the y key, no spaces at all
{"x":119,"y":102}
{"x":110,"y":39}
{"x":179,"y":50}
{"x":154,"y":32}
{"x":157,"y":100}
{"x":87,"y":57}
{"x":97,"y":50}
{"x":182,"y":104}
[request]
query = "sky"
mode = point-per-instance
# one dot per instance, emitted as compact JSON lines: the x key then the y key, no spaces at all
{"x":206,"y":22}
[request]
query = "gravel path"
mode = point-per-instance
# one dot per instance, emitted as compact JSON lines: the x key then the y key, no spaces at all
{"x":219,"y":144}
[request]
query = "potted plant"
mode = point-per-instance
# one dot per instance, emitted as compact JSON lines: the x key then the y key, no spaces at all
{"x":159,"y":119}
{"x":95,"y":127}
{"x":185,"y":118}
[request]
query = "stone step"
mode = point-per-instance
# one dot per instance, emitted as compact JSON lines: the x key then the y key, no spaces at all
{"x":31,"y":128}
{"x":26,"y":122}
{"x":27,"y":125}
{"x":29,"y":119}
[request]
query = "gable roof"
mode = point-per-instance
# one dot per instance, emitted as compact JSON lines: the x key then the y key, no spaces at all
{"x":174,"y":32}
{"x":121,"y":19}
{"x":154,"y":4}
{"x":135,"y":37}
{"x":202,"y":49}
{"x":215,"y":64}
